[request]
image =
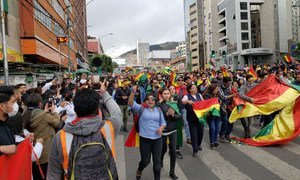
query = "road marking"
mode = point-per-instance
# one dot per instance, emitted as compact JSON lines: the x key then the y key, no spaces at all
{"x":166,"y":168}
{"x":222,"y":168}
{"x":270,"y":162}
{"x":120,"y":160}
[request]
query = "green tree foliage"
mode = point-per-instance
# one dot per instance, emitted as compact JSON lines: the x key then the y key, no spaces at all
{"x":103,"y":61}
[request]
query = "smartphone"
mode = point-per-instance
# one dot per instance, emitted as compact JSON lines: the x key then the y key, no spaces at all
{"x":50,"y":101}
{"x":62,"y":113}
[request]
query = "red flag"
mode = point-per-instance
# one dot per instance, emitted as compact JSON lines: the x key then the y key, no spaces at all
{"x":133,"y":139}
{"x":17,"y":166}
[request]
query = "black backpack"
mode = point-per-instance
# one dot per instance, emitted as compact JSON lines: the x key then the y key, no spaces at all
{"x":91,"y":158}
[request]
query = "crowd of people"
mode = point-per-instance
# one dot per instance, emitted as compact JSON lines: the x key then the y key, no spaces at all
{"x":73,"y":123}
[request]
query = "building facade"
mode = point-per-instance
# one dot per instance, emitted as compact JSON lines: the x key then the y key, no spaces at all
{"x":43,"y":22}
{"x":194,"y":29}
{"x":12,"y":31}
{"x":142,"y":51}
{"x":254,"y":31}
{"x":158,"y":60}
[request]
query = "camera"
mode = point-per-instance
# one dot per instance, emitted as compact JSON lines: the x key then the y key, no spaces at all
{"x":50,"y":101}
{"x":62,"y":113}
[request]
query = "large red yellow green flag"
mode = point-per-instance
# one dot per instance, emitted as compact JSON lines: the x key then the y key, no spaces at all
{"x":284,"y":128}
{"x":173,"y":79}
{"x":202,"y":108}
{"x":269,"y":96}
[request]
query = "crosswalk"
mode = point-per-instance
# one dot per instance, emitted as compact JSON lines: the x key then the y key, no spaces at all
{"x":230,"y":161}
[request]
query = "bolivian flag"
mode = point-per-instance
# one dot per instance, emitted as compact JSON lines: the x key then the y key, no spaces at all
{"x":284,"y":128}
{"x":202,"y":108}
{"x":270,"y":95}
{"x":252,"y":72}
{"x":225,"y":72}
{"x":133,"y":139}
{"x":288,"y":58}
{"x":173,"y":79}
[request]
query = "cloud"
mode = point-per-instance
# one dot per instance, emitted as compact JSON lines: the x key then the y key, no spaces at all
{"x":154,"y":21}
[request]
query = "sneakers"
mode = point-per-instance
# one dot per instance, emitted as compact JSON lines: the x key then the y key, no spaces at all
{"x":125,"y":129}
{"x":188,"y":141}
{"x":216,"y":145}
{"x":222,"y":137}
{"x":173,"y":176}
{"x":178,"y":154}
{"x":138,"y":175}
{"x":227,"y":137}
{"x":195,"y":154}
{"x":212,"y":146}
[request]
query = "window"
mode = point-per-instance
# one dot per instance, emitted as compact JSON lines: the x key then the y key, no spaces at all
{"x":193,"y":20}
{"x":58,"y":30}
{"x":244,"y":26}
{"x":42,"y":15}
{"x":194,"y":42}
{"x":194,"y":35}
{"x":243,"y":6}
{"x":57,"y":7}
{"x":245,"y":36}
{"x":244,"y":15}
{"x":208,"y":16}
{"x":194,"y":50}
{"x":245,"y":45}
{"x":193,"y":27}
{"x":193,"y":5}
{"x":192,"y":13}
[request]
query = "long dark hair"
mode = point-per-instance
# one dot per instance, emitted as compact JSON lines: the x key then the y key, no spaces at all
{"x":32,"y":102}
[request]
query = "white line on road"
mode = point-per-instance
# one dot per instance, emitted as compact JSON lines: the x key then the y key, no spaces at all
{"x":120,"y":160}
{"x":270,"y":162}
{"x":222,"y":168}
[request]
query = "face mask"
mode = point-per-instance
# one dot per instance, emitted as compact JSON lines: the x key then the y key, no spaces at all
{"x":15,"y":110}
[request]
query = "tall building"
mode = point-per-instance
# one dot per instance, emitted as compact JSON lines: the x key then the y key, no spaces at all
{"x":12,"y":31}
{"x":142,"y":51}
{"x":194,"y":29}
{"x":159,"y":59}
{"x":94,"y":46}
{"x":42,"y":22}
{"x":254,"y":31}
{"x":211,"y":30}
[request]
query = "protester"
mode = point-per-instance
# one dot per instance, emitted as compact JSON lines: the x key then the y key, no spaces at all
{"x":246,"y":122}
{"x":97,"y":162}
{"x":212,"y":120}
{"x":172,"y":115}
{"x":179,"y":125}
{"x":7,"y":103}
{"x":297,"y":80}
{"x":41,"y":122}
{"x":122,"y":95}
{"x":151,"y":125}
{"x":196,"y":128}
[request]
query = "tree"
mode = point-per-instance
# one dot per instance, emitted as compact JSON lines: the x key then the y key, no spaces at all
{"x":102,"y":61}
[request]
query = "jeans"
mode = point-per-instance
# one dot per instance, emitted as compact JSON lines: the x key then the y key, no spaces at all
{"x":226,"y":126}
{"x":214,"y":125}
{"x":196,"y":129}
{"x":148,"y":147}
{"x":172,"y":148}
{"x":124,"y":110}
{"x":186,"y":124}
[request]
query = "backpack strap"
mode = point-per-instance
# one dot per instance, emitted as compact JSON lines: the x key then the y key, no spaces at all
{"x":66,"y":139}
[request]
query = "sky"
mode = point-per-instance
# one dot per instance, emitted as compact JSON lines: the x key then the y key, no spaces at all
{"x":153,"y":21}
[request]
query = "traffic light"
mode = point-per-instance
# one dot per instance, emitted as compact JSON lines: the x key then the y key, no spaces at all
{"x":62,"y":39}
{"x":223,"y":54}
{"x":213,"y":54}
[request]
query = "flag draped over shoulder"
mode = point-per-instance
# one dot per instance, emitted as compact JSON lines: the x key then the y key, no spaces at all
{"x":17,"y":166}
{"x":270,"y":95}
{"x":284,"y":128}
{"x":202,"y":108}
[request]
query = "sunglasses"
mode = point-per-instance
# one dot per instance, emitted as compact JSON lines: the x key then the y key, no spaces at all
{"x":150,"y":98}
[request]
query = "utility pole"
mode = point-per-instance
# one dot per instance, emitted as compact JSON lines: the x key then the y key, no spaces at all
{"x":5,"y":61}
{"x":69,"y":40}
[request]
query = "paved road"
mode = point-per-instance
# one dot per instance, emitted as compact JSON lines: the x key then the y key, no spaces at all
{"x":230,"y":161}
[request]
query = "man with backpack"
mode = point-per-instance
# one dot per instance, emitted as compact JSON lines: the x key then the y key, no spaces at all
{"x":84,"y":148}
